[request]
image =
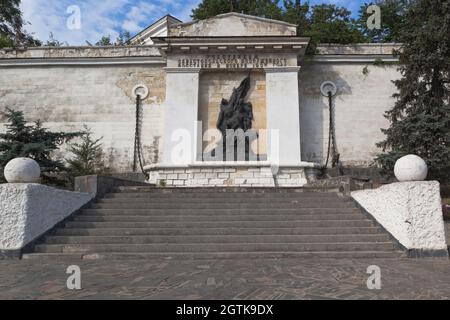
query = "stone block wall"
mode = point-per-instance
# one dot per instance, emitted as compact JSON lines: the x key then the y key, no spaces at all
{"x":65,"y":98}
{"x":229,"y":177}
{"x":360,"y":105}
{"x":66,"y":94}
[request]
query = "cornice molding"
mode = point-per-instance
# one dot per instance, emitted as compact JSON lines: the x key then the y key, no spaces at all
{"x":81,"y":61}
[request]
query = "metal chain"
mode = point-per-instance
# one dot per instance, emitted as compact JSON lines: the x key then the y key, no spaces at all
{"x":137,"y":140}
{"x":332,"y":149}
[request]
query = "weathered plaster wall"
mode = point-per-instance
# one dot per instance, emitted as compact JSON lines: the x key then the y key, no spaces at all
{"x":67,"y":97}
{"x":69,"y":87}
{"x":359,"y":108}
{"x":217,"y":85}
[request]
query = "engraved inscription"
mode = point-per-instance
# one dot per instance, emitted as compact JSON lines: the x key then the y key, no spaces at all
{"x":232,"y":61}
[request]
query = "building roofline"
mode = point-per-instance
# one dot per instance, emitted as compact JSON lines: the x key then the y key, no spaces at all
{"x":248,"y":16}
{"x":153,"y":24}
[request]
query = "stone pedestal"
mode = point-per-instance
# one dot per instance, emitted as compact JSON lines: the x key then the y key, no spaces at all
{"x":28,"y":210}
{"x":223,"y":174}
{"x":411,"y":212}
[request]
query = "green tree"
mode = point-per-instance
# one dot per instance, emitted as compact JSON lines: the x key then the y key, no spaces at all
{"x":392,"y":20}
{"x":332,"y":24}
{"x":420,"y":119}
{"x":12,"y":31}
{"x":123,"y":39}
{"x":52,"y":42}
{"x":35,"y":142}
{"x":262,"y":8}
{"x":104,"y":41}
{"x":297,"y":13}
{"x":88,"y":156}
{"x":323,"y":23}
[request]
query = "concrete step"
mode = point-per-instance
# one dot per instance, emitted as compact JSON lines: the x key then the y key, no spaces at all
{"x":216,"y":255}
{"x":224,"y":212}
{"x":214,"y":231}
{"x":223,"y":224}
{"x":216,"y":223}
{"x":220,"y":247}
{"x":212,"y":205}
{"x":214,"y":190}
{"x":219,"y":200}
{"x":216,"y":239}
{"x":222,"y":195}
{"x":214,"y":218}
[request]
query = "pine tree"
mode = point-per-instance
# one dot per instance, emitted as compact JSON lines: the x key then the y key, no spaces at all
{"x":88,"y":156}
{"x":35,"y":142}
{"x":420,"y":119}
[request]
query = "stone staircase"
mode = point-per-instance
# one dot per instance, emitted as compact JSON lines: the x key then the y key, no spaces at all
{"x":196,"y":223}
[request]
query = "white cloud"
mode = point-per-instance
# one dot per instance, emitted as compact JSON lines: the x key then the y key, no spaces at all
{"x":131,"y":26}
{"x":99,"y":18}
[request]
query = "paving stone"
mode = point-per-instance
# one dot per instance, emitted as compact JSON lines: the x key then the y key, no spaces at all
{"x":227,"y":279}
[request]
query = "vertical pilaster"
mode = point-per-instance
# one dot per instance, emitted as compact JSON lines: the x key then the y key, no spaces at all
{"x":181,"y":115}
{"x":283,"y":114}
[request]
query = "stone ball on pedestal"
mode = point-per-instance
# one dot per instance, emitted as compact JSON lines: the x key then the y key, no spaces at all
{"x":410,"y":168}
{"x":22,"y":170}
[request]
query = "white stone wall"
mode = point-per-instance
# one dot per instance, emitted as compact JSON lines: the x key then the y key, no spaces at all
{"x":28,"y":210}
{"x":359,"y":108}
{"x":67,"y":97}
{"x":229,"y":177}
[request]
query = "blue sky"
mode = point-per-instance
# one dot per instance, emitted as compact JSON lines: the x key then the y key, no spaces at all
{"x":109,"y":17}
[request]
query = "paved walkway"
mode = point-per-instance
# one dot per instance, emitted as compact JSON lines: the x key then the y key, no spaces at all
{"x":227,"y":279}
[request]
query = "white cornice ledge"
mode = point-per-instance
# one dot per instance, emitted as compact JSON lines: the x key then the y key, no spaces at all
{"x":351,"y":58}
{"x":182,"y":70}
{"x":282,"y":69}
{"x":81,"y":61}
{"x":221,"y":164}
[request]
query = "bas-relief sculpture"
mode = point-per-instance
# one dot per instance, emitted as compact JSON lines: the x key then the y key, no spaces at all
{"x":234,"y":122}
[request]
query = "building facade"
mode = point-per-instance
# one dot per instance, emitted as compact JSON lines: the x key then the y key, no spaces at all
{"x":188,"y":69}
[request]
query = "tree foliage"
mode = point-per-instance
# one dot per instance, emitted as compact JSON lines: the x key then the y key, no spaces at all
{"x":12,"y":31}
{"x":35,"y":142}
{"x":332,"y":24}
{"x":420,"y":119}
{"x":122,"y":40}
{"x":262,"y":8}
{"x":323,"y":23}
{"x":297,"y":13}
{"x":392,"y":20}
{"x":88,"y":156}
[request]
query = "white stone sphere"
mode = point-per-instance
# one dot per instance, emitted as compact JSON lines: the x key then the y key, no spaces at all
{"x":410,"y":168}
{"x":22,"y":170}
